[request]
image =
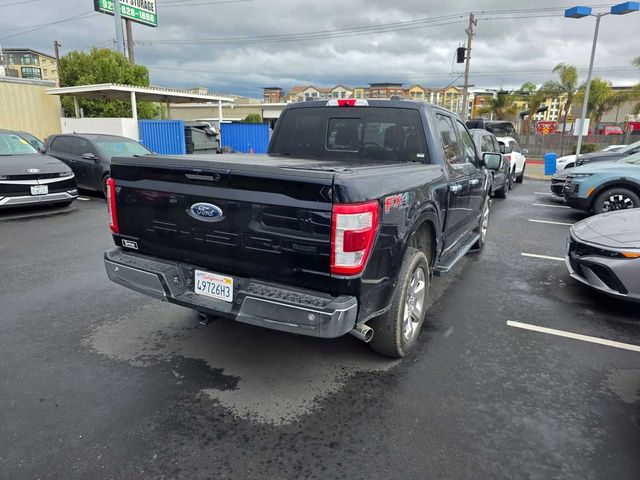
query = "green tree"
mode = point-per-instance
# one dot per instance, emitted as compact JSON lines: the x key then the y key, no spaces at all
{"x":636,"y":90}
{"x":566,"y":87}
{"x":252,"y":118}
{"x":602,"y":98}
{"x":104,"y":66}
{"x":501,"y":106}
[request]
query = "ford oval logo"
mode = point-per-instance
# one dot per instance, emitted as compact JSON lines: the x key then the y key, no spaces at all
{"x":205,"y":212}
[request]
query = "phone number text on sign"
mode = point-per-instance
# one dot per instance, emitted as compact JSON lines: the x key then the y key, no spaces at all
{"x":129,"y":9}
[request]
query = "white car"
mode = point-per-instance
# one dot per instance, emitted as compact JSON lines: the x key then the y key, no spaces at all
{"x":516,"y":156}
{"x":569,"y":161}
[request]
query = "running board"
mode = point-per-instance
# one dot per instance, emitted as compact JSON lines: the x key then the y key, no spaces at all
{"x":449,"y":261}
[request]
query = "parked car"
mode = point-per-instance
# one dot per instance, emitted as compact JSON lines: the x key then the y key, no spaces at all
{"x":603,"y":252}
{"x":501,"y":179}
{"x":604,"y":187}
{"x":611,"y":155}
{"x":27,"y":177}
{"x":608,"y":156}
{"x":610,"y":130}
{"x":35,"y":142}
{"x":337,"y":230}
{"x":500,"y":128}
{"x":569,"y":161}
{"x":89,"y":155}
{"x":516,"y":156}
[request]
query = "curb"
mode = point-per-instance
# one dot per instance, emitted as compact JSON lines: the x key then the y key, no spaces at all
{"x":529,"y":177}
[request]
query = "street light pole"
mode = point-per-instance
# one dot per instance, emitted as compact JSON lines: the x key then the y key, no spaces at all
{"x":587,"y":91}
{"x":581,"y":12}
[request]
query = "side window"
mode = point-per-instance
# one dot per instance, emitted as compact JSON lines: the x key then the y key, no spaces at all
{"x":62,"y":144}
{"x":468,"y":148}
{"x":449,"y":140}
{"x":496,"y":145}
{"x":514,"y":146}
{"x":486,"y":145}
{"x":81,"y":146}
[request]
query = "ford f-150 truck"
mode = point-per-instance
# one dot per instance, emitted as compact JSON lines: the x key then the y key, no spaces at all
{"x":339,"y":229}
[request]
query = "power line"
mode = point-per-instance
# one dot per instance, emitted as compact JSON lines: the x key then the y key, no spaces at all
{"x":17,"y":3}
{"x":173,"y":4}
{"x":80,"y":16}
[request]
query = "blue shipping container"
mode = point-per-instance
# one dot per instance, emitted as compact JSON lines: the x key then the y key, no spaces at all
{"x":242,"y":137}
{"x":163,"y":136}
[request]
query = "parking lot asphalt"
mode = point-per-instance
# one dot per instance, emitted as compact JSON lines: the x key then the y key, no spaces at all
{"x":101,"y":382}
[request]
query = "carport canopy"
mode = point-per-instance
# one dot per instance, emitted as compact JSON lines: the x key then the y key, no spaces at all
{"x":114,"y":91}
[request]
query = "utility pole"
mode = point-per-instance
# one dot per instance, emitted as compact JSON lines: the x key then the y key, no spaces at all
{"x":472,"y":22}
{"x":56,"y":48}
{"x":129,"y":30}
{"x":118,"y":20}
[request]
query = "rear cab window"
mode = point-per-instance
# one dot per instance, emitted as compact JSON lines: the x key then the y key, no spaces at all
{"x":364,"y":133}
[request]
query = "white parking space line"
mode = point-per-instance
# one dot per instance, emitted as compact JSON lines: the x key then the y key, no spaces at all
{"x":550,"y":222}
{"x":83,"y":199}
{"x":549,"y":206}
{"x":574,"y":336}
{"x":543,"y":257}
{"x":543,"y":193}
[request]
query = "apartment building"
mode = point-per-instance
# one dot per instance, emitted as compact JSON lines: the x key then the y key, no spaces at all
{"x":272,"y":95}
{"x":29,"y":64}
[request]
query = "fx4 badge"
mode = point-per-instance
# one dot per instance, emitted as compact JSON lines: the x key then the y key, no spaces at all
{"x":400,"y":200}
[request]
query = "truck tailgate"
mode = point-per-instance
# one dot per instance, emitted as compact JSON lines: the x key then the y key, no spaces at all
{"x":273,"y":222}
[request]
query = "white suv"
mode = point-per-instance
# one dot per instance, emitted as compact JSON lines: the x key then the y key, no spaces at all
{"x":517,"y":157}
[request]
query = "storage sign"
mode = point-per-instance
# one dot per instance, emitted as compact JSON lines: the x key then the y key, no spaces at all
{"x":141,"y":11}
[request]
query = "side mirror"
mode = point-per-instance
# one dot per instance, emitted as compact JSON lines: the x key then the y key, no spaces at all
{"x":42,"y":149}
{"x":525,"y":151}
{"x":89,"y":156}
{"x":492,"y":161}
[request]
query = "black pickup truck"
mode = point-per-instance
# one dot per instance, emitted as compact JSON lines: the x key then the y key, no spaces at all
{"x":339,"y":229}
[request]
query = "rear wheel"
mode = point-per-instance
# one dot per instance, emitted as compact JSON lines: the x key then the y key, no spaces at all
{"x":520,"y":178}
{"x":616,"y":198}
{"x":396,"y":332}
{"x":502,"y":192}
{"x":105,"y":179}
{"x":483,"y":226}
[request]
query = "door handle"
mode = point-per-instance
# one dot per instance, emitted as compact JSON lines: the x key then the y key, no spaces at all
{"x":456,"y":188}
{"x":474,"y":182}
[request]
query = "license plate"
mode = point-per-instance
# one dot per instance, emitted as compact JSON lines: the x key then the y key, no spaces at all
{"x":39,"y":189}
{"x":214,"y":285}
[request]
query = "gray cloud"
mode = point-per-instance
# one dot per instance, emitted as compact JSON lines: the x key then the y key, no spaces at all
{"x":506,"y":52}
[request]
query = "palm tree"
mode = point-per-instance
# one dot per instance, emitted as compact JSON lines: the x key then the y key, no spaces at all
{"x":566,"y":86}
{"x":602,"y":98}
{"x":502,"y":106}
{"x":534,"y":97}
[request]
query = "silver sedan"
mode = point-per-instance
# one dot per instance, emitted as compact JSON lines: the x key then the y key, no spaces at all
{"x":603,"y":252}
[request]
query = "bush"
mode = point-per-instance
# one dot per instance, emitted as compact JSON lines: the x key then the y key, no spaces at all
{"x":587,"y":148}
{"x":252,"y":118}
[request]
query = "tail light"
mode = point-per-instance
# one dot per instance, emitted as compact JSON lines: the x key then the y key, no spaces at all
{"x":353,"y":230}
{"x":111,"y":205}
{"x":507,"y":158}
{"x":347,"y":102}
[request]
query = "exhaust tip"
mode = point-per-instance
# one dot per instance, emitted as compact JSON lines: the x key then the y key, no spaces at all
{"x":362,"y":332}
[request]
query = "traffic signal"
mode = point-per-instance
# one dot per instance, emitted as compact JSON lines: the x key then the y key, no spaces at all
{"x":461,"y":54}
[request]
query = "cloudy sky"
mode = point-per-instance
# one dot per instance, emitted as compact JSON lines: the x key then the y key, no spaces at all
{"x":239,"y":46}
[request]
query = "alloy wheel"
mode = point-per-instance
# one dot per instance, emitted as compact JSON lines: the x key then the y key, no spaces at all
{"x":414,"y":304}
{"x":617,"y":202}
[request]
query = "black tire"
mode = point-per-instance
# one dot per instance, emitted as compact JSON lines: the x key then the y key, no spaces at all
{"x":390,"y":337}
{"x":615,"y":198}
{"x":483,"y":228}
{"x":520,"y":178}
{"x":104,"y":184}
{"x":502,"y":192}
